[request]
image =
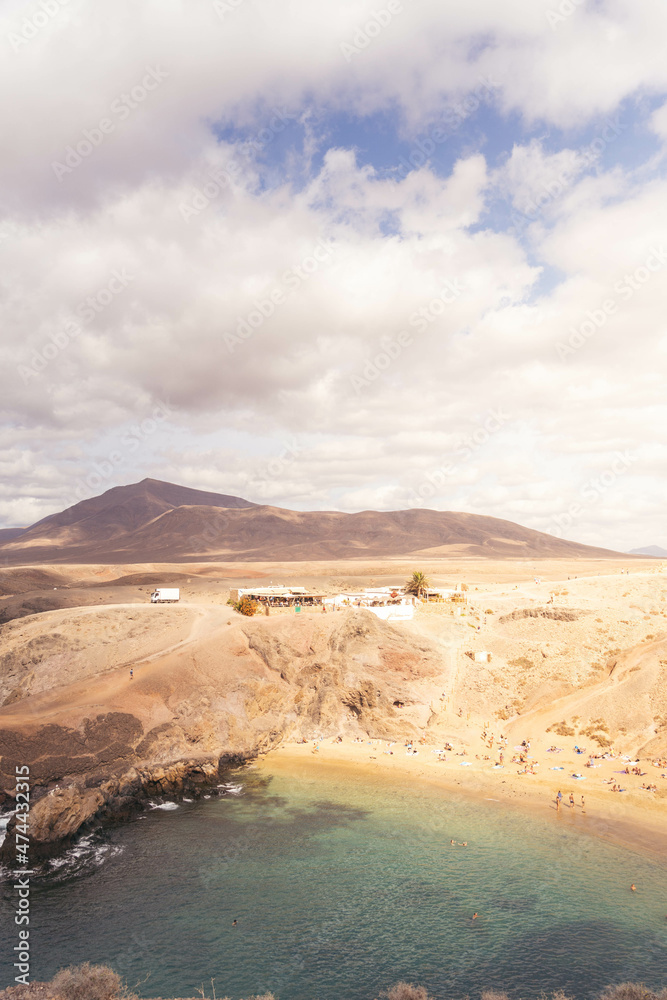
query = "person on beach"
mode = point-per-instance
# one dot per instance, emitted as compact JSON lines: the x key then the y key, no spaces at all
{"x":571,"y":801}
{"x":558,"y":798}
{"x":583,"y":805}
{"x":131,"y":672}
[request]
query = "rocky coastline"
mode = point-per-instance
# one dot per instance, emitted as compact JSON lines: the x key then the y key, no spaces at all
{"x":67,"y":809}
{"x":175,"y":731}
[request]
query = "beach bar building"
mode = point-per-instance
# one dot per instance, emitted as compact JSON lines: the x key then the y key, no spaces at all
{"x":279,"y":597}
{"x":388,"y":603}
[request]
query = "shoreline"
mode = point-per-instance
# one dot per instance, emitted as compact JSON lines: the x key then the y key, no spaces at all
{"x":625,"y":822}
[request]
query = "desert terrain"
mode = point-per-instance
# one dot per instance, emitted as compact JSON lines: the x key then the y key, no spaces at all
{"x":578,"y":657}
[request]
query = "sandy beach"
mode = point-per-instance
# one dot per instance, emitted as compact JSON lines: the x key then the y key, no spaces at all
{"x":633,"y":818}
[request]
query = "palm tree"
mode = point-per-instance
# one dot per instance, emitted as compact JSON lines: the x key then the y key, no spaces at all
{"x":417,"y":584}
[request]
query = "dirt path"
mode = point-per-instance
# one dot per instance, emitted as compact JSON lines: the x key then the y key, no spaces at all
{"x":114,"y":687}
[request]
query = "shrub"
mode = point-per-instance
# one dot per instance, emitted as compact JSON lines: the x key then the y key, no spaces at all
{"x":246,"y":606}
{"x":561,"y":728}
{"x":406,"y":991}
{"x":89,"y":982}
{"x":631,"y":991}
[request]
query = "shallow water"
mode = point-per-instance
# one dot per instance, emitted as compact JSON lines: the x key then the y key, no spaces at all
{"x":340,"y":890}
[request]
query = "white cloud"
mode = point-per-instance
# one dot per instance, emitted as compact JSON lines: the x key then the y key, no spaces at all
{"x":402,"y":314}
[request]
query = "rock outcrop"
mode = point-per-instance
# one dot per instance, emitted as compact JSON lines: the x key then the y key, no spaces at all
{"x":96,"y":752}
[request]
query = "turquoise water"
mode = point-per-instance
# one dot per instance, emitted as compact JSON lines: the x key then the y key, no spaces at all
{"x":340,"y":890}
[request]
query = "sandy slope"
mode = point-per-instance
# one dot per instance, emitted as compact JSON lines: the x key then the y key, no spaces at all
{"x":595,"y":669}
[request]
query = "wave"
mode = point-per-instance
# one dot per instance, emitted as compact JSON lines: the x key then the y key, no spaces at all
{"x":82,"y":858}
{"x":4,"y":822}
{"x":231,"y":788}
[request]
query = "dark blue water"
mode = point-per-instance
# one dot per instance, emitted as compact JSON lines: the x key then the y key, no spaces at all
{"x":340,"y":890}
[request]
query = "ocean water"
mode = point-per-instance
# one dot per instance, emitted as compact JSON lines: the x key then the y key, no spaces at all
{"x":340,"y":889}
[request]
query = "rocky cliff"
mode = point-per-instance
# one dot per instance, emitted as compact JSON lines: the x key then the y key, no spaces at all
{"x":99,"y":748}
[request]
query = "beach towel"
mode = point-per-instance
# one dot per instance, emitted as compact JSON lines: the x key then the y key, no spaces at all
{"x":465,"y":763}
{"x":556,"y":768}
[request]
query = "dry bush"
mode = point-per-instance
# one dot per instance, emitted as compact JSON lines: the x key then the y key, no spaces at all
{"x":246,"y":606}
{"x":406,"y":991}
{"x":561,"y":729}
{"x":494,"y":995}
{"x":631,"y":991}
{"x":522,"y":661}
{"x":89,"y":982}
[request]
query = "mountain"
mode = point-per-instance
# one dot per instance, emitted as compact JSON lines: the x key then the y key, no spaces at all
{"x":650,"y":550}
{"x":152,"y":521}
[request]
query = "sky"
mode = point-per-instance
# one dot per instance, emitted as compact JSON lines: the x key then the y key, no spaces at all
{"x":336,"y":255}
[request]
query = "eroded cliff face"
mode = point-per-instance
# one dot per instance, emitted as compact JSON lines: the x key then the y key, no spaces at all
{"x":98,"y":748}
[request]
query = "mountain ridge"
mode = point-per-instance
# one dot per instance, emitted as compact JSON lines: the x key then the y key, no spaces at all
{"x":155,"y":521}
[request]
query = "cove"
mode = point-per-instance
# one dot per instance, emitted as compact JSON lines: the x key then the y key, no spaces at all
{"x":341,"y":887}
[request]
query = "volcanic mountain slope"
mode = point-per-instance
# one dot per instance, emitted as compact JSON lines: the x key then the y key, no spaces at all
{"x":106,"y":522}
{"x":156,"y":522}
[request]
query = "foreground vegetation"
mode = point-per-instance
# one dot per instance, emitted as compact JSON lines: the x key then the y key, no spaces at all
{"x":98,"y":982}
